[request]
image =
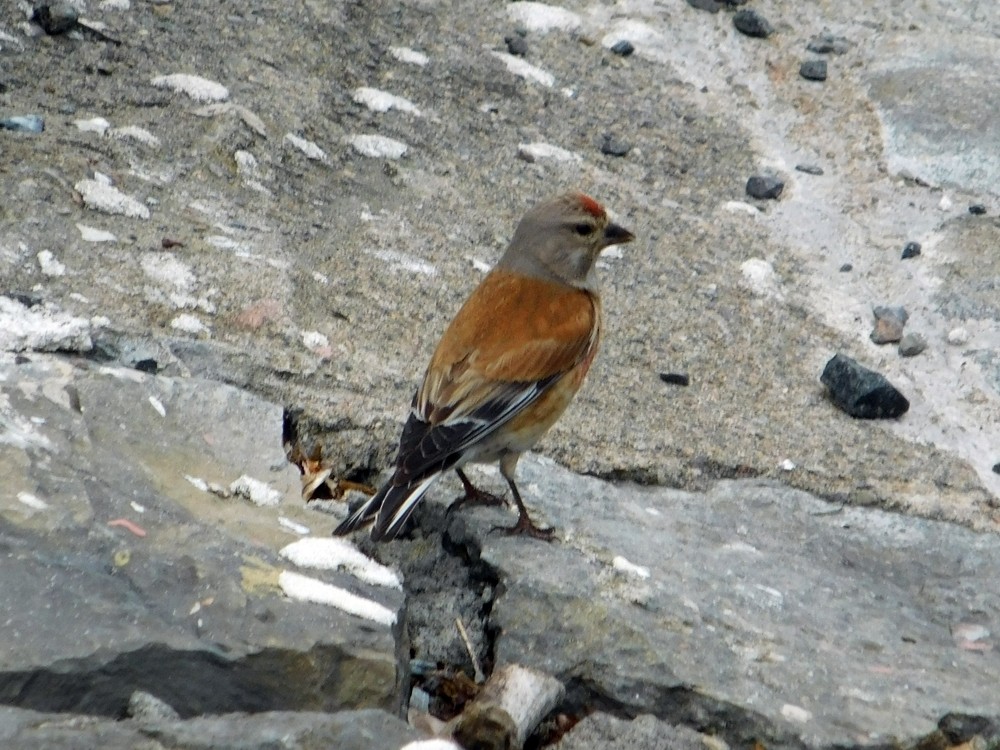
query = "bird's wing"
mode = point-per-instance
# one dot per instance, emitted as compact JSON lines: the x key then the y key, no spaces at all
{"x":511,"y":341}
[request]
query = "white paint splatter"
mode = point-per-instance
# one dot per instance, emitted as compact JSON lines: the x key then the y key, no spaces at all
{"x":382,"y":101}
{"x":41,"y":329}
{"x":308,"y":589}
{"x":339,"y":554}
{"x":435,"y":744}
{"x":256,"y":491}
{"x":198,"y":88}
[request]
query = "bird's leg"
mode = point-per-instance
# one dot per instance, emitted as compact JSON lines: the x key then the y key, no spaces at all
{"x":524,"y":523}
{"x":473,"y":495}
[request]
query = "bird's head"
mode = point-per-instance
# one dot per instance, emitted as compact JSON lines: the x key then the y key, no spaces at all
{"x":560,"y":239}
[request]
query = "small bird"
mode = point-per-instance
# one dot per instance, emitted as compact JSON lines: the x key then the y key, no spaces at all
{"x":507,"y":366}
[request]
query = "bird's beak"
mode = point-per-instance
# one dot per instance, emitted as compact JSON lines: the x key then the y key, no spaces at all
{"x":616,"y":235}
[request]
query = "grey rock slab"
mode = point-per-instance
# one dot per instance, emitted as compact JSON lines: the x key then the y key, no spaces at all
{"x":936,"y":96}
{"x":600,"y":731}
{"x":348,"y":730}
{"x":752,"y":611}
{"x":119,"y":574}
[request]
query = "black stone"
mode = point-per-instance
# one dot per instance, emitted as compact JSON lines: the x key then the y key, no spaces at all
{"x":57,"y":18}
{"x":623,"y":48}
{"x":813,"y":70}
{"x":862,"y":393}
{"x":752,"y":23}
{"x":612,"y":146}
{"x":911,"y":250}
{"x":977,"y":209}
{"x":962,"y":728}
{"x":809,"y":169}
{"x":28,"y":299}
{"x":516,"y":45}
{"x":764,"y":187}
{"x":996,"y":468}
{"x":146,"y":365}
{"x":675,"y":378}
{"x":712,"y":6}
{"x":847,"y":267}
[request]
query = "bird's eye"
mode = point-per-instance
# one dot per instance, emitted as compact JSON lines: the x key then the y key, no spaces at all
{"x":583,"y":229}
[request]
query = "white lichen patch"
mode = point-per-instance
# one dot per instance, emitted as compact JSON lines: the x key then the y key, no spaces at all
{"x":304,"y":588}
{"x":198,"y":88}
{"x":760,"y":278}
{"x":525,"y":70}
{"x":621,"y":564}
{"x":540,"y":17}
{"x":188,"y":324}
{"x":532,"y":152}
{"x":409,"y":56}
{"x":49,"y":265}
{"x":92,"y":234}
{"x":405,"y":262}
{"x":168,"y":270}
{"x":100,"y":196}
{"x":324,"y":553}
{"x":93,"y":125}
{"x":377,"y":146}
{"x":382,"y":101}
{"x":315,"y":340}
{"x":136,"y":134}
{"x":256,"y":491}
{"x":310,"y":149}
{"x":42,"y":329}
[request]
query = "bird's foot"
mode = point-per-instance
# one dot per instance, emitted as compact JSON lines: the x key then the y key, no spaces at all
{"x":476,"y":496}
{"x":526,"y":527}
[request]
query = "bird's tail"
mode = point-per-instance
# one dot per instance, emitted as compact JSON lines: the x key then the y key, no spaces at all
{"x":390,"y":507}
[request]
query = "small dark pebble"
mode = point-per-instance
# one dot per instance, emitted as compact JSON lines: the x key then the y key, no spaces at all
{"x":28,"y":299}
{"x":24,"y":124}
{"x":825,"y":43}
{"x":911,"y":250}
{"x":977,"y":209}
{"x":675,"y":378}
{"x":57,"y":18}
{"x":764,"y":187}
{"x":911,"y":345}
{"x":862,"y":393}
{"x":516,"y":45}
{"x":752,"y":23}
{"x":846,"y":268}
{"x":147,"y":365}
{"x":809,"y":169}
{"x":813,"y":70}
{"x":996,"y":468}
{"x":20,"y":359}
{"x":623,"y":48}
{"x":612,"y":146}
{"x":712,"y":6}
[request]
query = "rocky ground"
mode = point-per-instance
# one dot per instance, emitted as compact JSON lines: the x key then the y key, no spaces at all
{"x":194,"y":271}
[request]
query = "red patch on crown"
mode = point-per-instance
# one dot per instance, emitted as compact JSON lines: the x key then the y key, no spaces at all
{"x":591,"y":206}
